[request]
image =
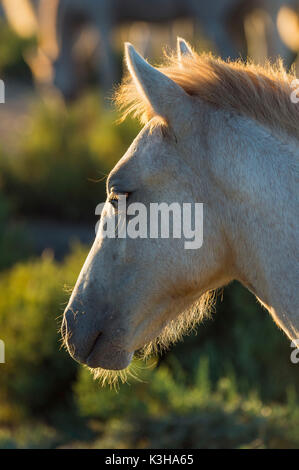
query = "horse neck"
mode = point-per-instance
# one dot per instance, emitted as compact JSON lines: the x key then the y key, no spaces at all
{"x":255,"y":186}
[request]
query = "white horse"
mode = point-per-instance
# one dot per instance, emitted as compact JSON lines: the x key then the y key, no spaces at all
{"x":225,"y":134}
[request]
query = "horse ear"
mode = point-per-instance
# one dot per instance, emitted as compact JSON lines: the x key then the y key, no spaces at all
{"x":163,"y":94}
{"x":183,"y":49}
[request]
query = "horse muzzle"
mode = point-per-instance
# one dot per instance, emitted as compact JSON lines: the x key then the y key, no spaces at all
{"x":94,"y":346}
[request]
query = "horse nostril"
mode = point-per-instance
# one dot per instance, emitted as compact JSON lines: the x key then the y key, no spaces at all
{"x":79,"y":336}
{"x":93,"y":346}
{"x":96,"y":340}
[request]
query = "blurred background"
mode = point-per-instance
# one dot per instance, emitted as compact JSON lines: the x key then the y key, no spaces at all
{"x":231,"y":385}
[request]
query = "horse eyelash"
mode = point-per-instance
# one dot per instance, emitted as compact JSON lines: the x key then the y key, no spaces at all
{"x":114,"y":196}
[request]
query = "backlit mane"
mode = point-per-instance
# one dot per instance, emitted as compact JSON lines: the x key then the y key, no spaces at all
{"x":259,"y":92}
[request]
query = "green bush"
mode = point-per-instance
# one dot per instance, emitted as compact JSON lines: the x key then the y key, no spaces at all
{"x":37,"y":374}
{"x":12,"y":49}
{"x":33,"y":436}
{"x":165,"y":412}
{"x":14,"y":241}
{"x":63,"y":159}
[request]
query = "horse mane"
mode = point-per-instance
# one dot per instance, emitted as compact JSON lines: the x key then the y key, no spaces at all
{"x":259,"y":92}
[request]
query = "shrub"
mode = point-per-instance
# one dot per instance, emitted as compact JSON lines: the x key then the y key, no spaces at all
{"x":37,"y":374}
{"x":63,"y":158}
{"x":12,"y":49}
{"x":14,"y":241}
{"x":29,"y":436}
{"x":167,"y":413}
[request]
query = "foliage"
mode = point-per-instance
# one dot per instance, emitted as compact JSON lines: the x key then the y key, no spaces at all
{"x":166,"y":413}
{"x":14,"y":241}
{"x":37,"y":373}
{"x":12,"y":49}
{"x":32,"y":437}
{"x":63,"y":159}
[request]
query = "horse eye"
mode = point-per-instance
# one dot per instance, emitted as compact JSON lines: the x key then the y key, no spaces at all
{"x":114,"y":198}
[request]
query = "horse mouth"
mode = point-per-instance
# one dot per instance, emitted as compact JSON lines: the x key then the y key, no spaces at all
{"x":106,"y":355}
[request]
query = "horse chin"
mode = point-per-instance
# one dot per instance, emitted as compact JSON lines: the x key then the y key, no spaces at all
{"x":109,"y":359}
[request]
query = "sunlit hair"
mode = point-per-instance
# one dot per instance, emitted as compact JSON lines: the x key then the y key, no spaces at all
{"x":184,"y":324}
{"x":259,"y":92}
{"x":113,"y":378}
{"x":173,"y":332}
